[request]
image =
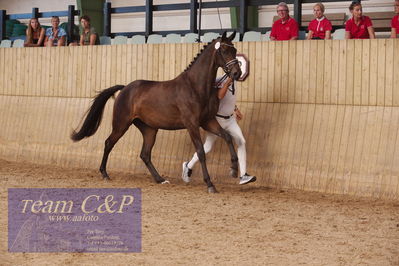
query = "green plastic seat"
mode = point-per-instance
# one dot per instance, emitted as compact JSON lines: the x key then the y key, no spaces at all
{"x":210,"y":36}
{"x":5,"y":44}
{"x":120,"y":40}
{"x":190,"y":37}
{"x":18,"y":43}
{"x":154,"y":38}
{"x":136,"y":39}
{"x":252,"y":36}
{"x":105,"y":40}
{"x":173,"y":38}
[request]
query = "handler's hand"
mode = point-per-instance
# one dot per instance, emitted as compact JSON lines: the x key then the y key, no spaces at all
{"x":239,"y":115}
{"x":228,"y":82}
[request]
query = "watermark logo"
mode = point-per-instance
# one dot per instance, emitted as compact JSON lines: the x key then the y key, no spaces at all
{"x":74,"y":220}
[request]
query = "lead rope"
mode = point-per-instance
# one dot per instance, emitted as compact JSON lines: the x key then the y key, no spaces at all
{"x":221,"y":80}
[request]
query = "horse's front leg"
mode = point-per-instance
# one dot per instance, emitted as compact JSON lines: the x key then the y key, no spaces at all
{"x":214,"y":127}
{"x":196,"y":139}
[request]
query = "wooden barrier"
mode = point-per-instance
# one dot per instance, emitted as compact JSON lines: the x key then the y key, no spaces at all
{"x":319,"y":115}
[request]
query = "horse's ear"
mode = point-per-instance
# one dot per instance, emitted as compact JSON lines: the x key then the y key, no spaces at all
{"x":231,"y":37}
{"x":224,"y":36}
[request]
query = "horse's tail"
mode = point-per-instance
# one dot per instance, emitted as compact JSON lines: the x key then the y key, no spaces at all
{"x":95,"y":114}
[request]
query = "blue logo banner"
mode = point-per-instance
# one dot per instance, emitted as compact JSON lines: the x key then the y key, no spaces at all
{"x":74,"y":220}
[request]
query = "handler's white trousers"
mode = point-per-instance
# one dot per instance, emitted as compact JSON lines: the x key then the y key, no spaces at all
{"x":231,"y":126}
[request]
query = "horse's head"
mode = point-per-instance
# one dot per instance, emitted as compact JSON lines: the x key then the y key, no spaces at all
{"x":226,"y":55}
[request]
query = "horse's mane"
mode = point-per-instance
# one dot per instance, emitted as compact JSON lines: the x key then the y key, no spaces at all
{"x":199,"y":53}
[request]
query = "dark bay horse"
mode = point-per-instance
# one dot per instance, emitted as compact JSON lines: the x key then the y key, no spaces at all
{"x":188,"y":101}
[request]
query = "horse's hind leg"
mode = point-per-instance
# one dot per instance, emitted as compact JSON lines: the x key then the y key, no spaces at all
{"x":149,"y":135}
{"x":214,"y":127}
{"x":117,"y":133}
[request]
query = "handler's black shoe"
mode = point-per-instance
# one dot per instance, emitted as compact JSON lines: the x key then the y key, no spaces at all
{"x":185,"y":175}
{"x":245,"y":179}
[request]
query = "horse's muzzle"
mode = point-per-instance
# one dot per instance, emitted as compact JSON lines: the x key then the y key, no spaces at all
{"x":235,"y":74}
{"x":232,"y":68}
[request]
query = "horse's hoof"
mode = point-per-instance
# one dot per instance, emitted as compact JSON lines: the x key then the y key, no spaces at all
{"x":212,"y":190}
{"x":165,"y":182}
{"x":104,"y":174}
{"x":233,"y":172}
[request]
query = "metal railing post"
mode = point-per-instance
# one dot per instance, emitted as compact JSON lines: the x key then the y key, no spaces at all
{"x":107,"y":19}
{"x":243,"y":17}
{"x":193,"y":16}
{"x":148,"y":17}
{"x":71,"y":22}
{"x":2,"y":25}
{"x":298,"y":12}
{"x":35,"y":12}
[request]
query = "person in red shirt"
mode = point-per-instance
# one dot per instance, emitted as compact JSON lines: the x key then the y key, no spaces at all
{"x":359,"y":26}
{"x":320,"y":27}
{"x":286,"y":28}
{"x":395,"y":21}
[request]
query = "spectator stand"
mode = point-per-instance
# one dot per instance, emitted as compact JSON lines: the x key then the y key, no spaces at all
{"x":193,"y":7}
{"x":381,"y":20}
{"x":337,"y":20}
{"x":70,"y":26}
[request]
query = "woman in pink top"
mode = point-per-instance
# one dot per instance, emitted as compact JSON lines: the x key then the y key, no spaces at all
{"x":359,"y":26}
{"x":395,"y":21}
{"x":320,"y":27}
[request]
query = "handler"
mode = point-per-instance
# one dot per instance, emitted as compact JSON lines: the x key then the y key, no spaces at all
{"x":227,"y":120}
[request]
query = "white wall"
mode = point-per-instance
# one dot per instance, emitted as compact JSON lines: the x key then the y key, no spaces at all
{"x":166,"y":20}
{"x":25,"y":6}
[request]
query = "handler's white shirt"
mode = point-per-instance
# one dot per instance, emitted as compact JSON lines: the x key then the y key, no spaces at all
{"x":228,"y":102}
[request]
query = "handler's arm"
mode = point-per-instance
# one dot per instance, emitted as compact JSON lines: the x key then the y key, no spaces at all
{"x":222,"y":91}
{"x":239,"y":115}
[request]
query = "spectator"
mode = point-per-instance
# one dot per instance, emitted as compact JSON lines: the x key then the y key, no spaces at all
{"x":55,"y":36}
{"x":359,"y":26}
{"x":88,"y":34}
{"x":319,"y":28}
{"x":34,"y":34}
{"x":395,"y":21}
{"x":286,"y":28}
{"x":226,"y":119}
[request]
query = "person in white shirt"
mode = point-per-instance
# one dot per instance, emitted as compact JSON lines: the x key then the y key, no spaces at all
{"x":227,"y":120}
